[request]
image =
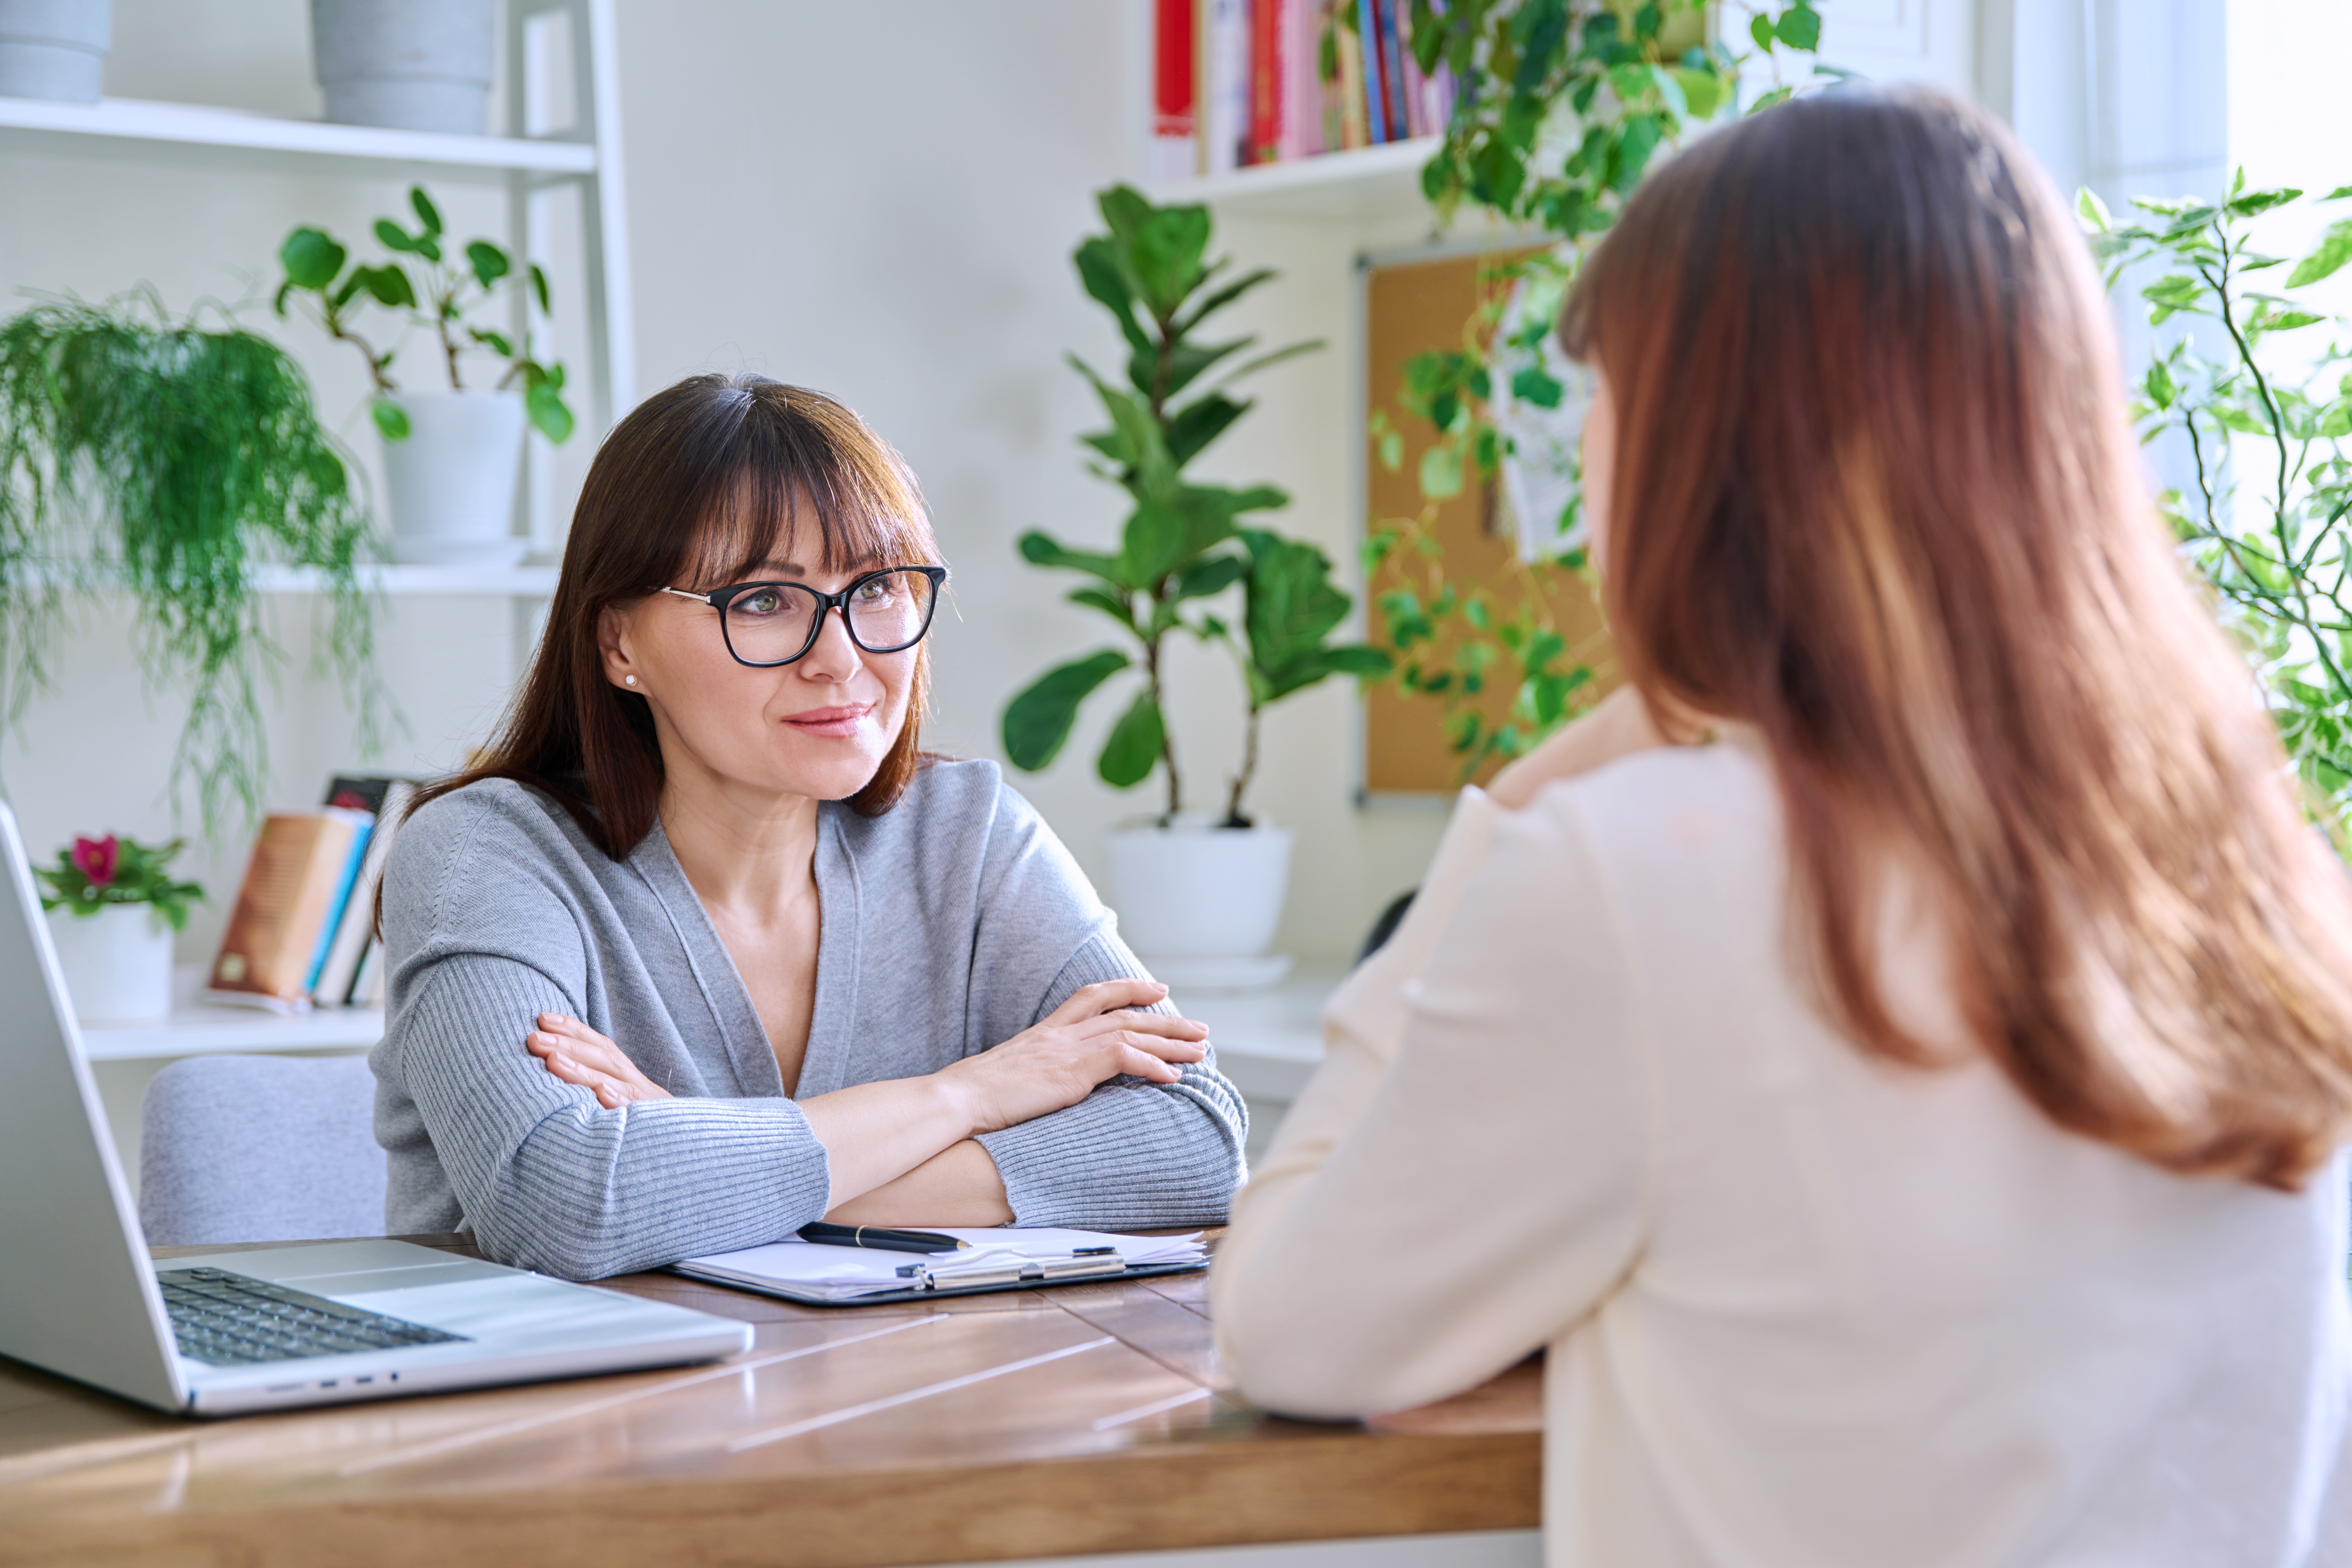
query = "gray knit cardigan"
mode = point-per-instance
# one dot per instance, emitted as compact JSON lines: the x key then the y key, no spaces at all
{"x":949,"y":924}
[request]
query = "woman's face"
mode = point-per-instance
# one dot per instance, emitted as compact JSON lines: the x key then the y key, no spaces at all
{"x":1600,"y":466}
{"x":818,"y":727}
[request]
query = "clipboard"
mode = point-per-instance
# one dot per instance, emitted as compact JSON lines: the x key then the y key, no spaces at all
{"x":990,"y":1259}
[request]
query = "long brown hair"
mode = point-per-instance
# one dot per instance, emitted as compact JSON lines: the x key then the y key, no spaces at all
{"x":1876,"y":495}
{"x":696,"y":486}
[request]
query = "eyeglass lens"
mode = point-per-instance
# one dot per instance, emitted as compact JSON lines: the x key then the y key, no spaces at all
{"x":773,"y":622}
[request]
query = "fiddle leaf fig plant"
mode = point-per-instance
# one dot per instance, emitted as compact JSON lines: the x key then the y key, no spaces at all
{"x":332,"y":289}
{"x":1182,"y":548}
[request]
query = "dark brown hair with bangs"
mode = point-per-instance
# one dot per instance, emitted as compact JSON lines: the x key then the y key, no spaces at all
{"x":1875,"y":495}
{"x":699,"y":485}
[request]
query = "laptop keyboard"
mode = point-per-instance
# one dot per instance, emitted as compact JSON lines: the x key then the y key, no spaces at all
{"x":231,"y":1320}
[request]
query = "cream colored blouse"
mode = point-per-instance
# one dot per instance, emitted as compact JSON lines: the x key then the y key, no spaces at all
{"x":1803,"y":1307}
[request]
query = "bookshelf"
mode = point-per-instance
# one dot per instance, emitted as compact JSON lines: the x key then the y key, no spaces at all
{"x":524,"y":582}
{"x":1366,"y":182}
{"x":197,"y":1027}
{"x":229,"y":137}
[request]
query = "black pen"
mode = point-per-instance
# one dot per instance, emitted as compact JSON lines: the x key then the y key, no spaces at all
{"x":876,"y":1236}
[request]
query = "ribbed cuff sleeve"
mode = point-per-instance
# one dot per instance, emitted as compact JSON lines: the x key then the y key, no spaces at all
{"x":1133,"y":1154}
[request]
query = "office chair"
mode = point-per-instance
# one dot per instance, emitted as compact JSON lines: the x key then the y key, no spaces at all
{"x":236,"y":1149}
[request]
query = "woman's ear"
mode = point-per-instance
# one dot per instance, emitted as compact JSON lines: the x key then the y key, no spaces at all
{"x":612,"y":644}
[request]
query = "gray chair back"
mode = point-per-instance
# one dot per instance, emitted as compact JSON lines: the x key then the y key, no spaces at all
{"x":236,"y":1149}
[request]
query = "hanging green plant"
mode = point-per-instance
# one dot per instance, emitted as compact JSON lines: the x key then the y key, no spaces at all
{"x":1560,"y":106}
{"x":151,"y":467}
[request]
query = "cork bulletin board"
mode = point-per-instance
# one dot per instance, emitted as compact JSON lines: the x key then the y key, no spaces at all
{"x":1415,"y":305}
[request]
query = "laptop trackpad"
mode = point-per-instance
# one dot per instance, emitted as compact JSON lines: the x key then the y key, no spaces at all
{"x":364,"y":1281}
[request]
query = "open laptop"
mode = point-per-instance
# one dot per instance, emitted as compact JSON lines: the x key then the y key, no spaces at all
{"x":317,"y":1324}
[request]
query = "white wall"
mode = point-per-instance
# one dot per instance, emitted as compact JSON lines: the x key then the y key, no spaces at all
{"x":876,"y":200}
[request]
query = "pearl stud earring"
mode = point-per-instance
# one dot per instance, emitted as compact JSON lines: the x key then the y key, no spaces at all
{"x":629,"y":680}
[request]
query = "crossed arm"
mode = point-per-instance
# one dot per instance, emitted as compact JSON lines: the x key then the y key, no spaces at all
{"x":903,"y":1151}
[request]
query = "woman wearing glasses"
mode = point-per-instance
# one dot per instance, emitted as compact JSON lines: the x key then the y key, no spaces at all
{"x":703,"y":948}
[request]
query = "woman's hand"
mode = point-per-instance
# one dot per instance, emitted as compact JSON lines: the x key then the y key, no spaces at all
{"x":578,"y":1054}
{"x":1092,"y":1037}
{"x":1619,"y":727}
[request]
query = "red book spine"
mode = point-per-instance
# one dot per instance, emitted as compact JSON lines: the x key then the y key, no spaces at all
{"x":1265,"y":82}
{"x":1172,"y":75}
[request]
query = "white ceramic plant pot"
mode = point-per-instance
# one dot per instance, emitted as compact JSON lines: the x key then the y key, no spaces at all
{"x":53,"y":49}
{"x":117,"y":963}
{"x":412,"y":65}
{"x":452,"y":482}
{"x":1199,"y":903}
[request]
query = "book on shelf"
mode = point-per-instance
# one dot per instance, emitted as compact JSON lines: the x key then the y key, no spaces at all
{"x":1274,"y":81}
{"x":337,"y":984}
{"x":294,"y":885}
{"x":1175,"y":128}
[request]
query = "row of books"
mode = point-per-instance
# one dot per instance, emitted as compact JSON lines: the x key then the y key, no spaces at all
{"x":1241,"y":82}
{"x":302,"y":934}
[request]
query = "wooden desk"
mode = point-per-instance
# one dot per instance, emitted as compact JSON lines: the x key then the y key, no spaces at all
{"x":1084,"y":1418}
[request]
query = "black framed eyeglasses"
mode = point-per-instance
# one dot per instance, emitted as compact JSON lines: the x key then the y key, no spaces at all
{"x":768,"y":624}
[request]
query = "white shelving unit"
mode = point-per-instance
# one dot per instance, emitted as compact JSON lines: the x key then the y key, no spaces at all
{"x":1336,"y":187}
{"x":563,"y":135}
{"x":197,"y":1027}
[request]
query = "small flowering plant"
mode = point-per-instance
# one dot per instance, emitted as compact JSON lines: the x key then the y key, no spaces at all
{"x":96,"y":872}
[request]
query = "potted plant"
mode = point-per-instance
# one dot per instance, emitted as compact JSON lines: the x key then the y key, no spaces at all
{"x":451,"y":458}
{"x":1199,"y":895}
{"x":1553,"y":142}
{"x":53,"y":49}
{"x":114,"y":907}
{"x":410,"y":65}
{"x":149,"y":465}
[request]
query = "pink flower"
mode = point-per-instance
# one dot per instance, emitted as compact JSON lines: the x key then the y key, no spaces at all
{"x":96,"y":859}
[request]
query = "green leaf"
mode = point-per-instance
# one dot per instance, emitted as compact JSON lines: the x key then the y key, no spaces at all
{"x":2337,"y":194}
{"x":539,"y":289}
{"x":1133,"y":746}
{"x":1038,"y":720}
{"x":1213,"y":575}
{"x":1161,"y":248}
{"x":388,"y":285}
{"x":2161,"y":389}
{"x":497,"y":342}
{"x":1440,"y":472}
{"x":311,"y":259}
{"x":1536,"y":385}
{"x":1760,"y":28}
{"x":2244,"y":421}
{"x":390,"y":418}
{"x":1702,"y":91}
{"x":1778,"y":95}
{"x":1104,"y":281}
{"x":1192,"y":427}
{"x":548,"y":415}
{"x":1800,"y":27}
{"x":1153,"y":542}
{"x":1110,"y":603}
{"x":393,"y":237}
{"x":1041,"y":549}
{"x":2092,"y":210}
{"x":489,"y":262}
{"x":2334,"y":250}
{"x":426,"y":212}
{"x":2261,"y":202}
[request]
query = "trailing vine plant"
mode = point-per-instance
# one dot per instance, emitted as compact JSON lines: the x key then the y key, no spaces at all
{"x":150,"y":456}
{"x":1559,"y":107}
{"x":2263,"y":519}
